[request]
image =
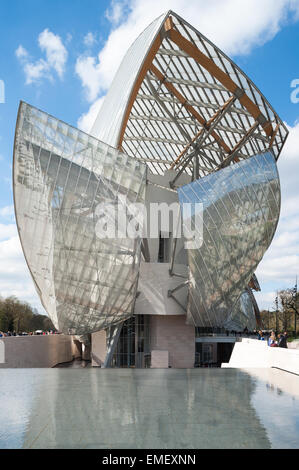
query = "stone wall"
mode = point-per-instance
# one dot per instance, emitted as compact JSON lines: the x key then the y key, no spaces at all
{"x":98,"y":348}
{"x":170,"y":333}
{"x":159,"y":359}
{"x":37,"y":351}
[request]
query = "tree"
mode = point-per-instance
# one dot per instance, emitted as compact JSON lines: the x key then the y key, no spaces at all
{"x":19,"y":316}
{"x":283,"y":312}
{"x":268,"y":319}
{"x":290,"y":303}
{"x":6,"y":316}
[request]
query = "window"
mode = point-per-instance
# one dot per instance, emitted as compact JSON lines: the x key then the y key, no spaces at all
{"x":164,"y":248}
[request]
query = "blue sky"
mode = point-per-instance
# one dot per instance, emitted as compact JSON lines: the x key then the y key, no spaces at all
{"x":60,"y":56}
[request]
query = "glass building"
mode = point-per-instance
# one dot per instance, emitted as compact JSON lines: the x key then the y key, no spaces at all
{"x":182,"y":126}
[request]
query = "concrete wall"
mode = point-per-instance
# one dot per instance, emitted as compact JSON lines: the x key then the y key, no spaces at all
{"x":98,"y":348}
{"x":154,"y":284}
{"x":158,"y":195}
{"x":170,"y":333}
{"x":251,"y":353}
{"x":159,"y":359}
{"x":37,"y":351}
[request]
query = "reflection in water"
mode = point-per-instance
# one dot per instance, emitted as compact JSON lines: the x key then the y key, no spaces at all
{"x":276,"y":401}
{"x":18,"y":390}
{"x":126,"y":408}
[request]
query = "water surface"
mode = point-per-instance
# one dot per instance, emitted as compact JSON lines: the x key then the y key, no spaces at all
{"x":149,"y":409}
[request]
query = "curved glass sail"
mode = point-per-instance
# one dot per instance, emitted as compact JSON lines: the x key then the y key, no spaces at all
{"x":243,"y":315}
{"x":64,"y":180}
{"x":119,"y":93}
{"x":241,"y":206}
{"x":175,"y":89}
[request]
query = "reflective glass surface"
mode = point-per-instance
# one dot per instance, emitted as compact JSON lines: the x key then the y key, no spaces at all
{"x":62,"y":177}
{"x":242,"y":315}
{"x":241,"y":206}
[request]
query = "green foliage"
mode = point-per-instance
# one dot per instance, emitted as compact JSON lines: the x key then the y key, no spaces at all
{"x":284,"y":316}
{"x":19,"y":316}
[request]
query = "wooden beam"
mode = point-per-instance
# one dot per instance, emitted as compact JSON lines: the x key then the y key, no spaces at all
{"x":189,"y":108}
{"x":222,"y":77}
{"x":168,"y":25}
{"x":186,"y":148}
{"x":209,"y":123}
{"x":274,"y":136}
{"x":220,"y":110}
{"x":237,"y":147}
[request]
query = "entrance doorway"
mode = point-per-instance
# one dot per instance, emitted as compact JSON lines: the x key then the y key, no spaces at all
{"x":212,"y":353}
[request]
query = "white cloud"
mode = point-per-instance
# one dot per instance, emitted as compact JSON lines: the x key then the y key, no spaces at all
{"x":69,"y":37}
{"x":7,"y":231}
{"x":55,"y":51}
{"x":90,"y":76}
{"x":280,"y":264}
{"x":35,"y":71}
{"x":265,"y":299}
{"x":7,"y":211}
{"x":56,"y":57}
{"x":116,"y":11}
{"x":236,"y":27}
{"x":14,"y":275}
{"x":86,"y":121}
{"x":21,"y":53}
{"x":89,"y":39}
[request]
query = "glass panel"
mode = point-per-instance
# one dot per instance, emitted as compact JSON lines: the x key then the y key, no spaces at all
{"x":61,"y":176}
{"x":243,"y":314}
{"x":240,"y":214}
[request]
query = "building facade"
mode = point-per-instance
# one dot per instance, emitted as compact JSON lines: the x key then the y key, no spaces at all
{"x":146,"y":233}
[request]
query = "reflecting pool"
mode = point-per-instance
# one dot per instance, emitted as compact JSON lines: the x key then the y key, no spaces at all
{"x":149,"y":409}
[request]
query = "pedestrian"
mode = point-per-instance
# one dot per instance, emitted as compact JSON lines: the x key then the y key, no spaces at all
{"x":286,"y":335}
{"x":282,"y":340}
{"x":272,"y":340}
{"x":261,"y":336}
